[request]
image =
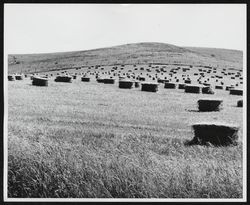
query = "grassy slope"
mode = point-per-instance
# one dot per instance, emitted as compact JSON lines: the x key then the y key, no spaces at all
{"x":139,"y":53}
{"x":79,"y":140}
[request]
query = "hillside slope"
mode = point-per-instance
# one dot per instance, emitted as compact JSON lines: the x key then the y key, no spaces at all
{"x":138,"y":53}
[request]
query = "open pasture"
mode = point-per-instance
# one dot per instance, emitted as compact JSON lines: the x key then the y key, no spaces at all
{"x":89,"y":139}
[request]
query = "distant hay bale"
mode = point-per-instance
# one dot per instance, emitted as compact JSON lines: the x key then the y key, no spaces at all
{"x":63,"y":78}
{"x":207,"y":90}
{"x":127,"y":84}
{"x":137,"y":84}
{"x":236,"y":92}
{"x":39,"y":81}
{"x":85,"y":79}
{"x":181,"y":86}
{"x":141,"y":79}
{"x":170,"y":85}
{"x":240,"y":103}
{"x":74,"y":77}
{"x":187,"y":81}
{"x":215,"y":134}
{"x":207,"y":105}
{"x":19,"y":77}
{"x":150,"y":87}
{"x":229,"y":87}
{"x":11,"y":78}
{"x":109,"y":81}
{"x":192,"y":89}
{"x":100,"y":80}
{"x":219,"y":87}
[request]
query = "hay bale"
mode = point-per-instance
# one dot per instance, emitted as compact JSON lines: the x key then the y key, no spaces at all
{"x":170,"y":85}
{"x":187,"y":81}
{"x":207,"y":105}
{"x":74,"y":77}
{"x":219,"y":87}
{"x":236,"y":92}
{"x":141,"y":79}
{"x":181,"y":86}
{"x":39,"y":81}
{"x":150,"y":87}
{"x":19,"y":77}
{"x":109,"y":81}
{"x":192,"y":89}
{"x":137,"y":84}
{"x":11,"y":78}
{"x":216,"y":134}
{"x":127,"y":84}
{"x":63,"y":78}
{"x":100,"y":80}
{"x":229,"y":87}
{"x":240,"y":103}
{"x":207,"y":90}
{"x":85,"y":79}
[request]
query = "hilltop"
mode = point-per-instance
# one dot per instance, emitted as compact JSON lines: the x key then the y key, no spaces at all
{"x":137,"y":53}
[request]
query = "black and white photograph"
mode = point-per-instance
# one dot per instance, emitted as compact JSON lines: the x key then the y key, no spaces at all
{"x":124,"y":102}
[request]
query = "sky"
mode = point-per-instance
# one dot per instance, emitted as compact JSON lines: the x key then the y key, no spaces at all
{"x":45,"y":28}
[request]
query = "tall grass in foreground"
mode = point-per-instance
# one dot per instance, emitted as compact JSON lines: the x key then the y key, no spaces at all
{"x":105,"y":165}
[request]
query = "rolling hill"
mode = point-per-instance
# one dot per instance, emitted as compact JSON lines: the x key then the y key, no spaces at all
{"x":137,"y":53}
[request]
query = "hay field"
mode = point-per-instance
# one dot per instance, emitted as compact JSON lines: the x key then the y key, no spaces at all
{"x":90,"y":140}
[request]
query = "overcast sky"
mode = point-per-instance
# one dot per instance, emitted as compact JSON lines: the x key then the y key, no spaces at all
{"x":40,"y":28}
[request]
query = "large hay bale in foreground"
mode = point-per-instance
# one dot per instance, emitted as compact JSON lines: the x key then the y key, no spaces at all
{"x":39,"y":81}
{"x":207,"y":105}
{"x":192,"y":89}
{"x":207,"y":90}
{"x":11,"y":78}
{"x":170,"y":85}
{"x":127,"y":84}
{"x":109,"y":81}
{"x":236,"y":92}
{"x":240,"y":103}
{"x":85,"y":79}
{"x":216,"y":134}
{"x":63,"y":78}
{"x":150,"y":87}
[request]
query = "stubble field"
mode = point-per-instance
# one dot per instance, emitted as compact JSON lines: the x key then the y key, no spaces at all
{"x":91,"y":140}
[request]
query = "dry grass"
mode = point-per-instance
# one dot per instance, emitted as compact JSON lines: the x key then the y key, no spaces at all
{"x":71,"y":140}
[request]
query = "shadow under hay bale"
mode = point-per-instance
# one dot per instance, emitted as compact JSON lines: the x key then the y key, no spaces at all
{"x":85,"y":79}
{"x":150,"y":87}
{"x":109,"y":81}
{"x":192,"y":89}
{"x":215,"y":134}
{"x":236,"y":92}
{"x":240,"y":103}
{"x":11,"y":78}
{"x":208,"y":105}
{"x":19,"y":77}
{"x":126,"y":84}
{"x":207,"y":90}
{"x":170,"y":85}
{"x":39,"y":81}
{"x":66,"y":79}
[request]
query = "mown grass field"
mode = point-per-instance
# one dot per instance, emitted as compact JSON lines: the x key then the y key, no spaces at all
{"x":91,"y":140}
